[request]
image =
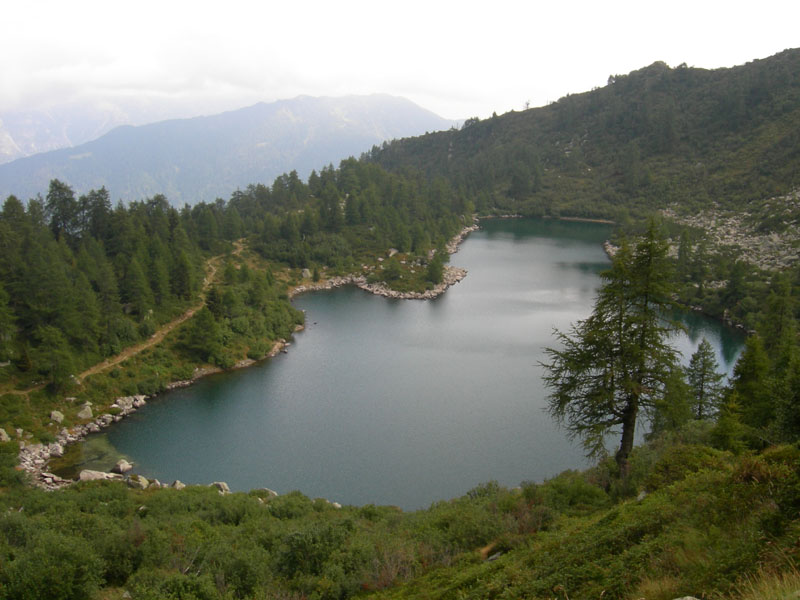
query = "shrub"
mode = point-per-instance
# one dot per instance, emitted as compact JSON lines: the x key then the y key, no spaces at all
{"x":54,"y":566}
{"x":679,"y":461}
{"x":571,"y":491}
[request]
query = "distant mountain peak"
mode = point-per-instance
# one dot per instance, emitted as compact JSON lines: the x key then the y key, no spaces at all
{"x":201,"y":158}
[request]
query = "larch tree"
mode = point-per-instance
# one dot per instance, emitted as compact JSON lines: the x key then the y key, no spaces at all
{"x":616,"y":363}
{"x":705,"y":381}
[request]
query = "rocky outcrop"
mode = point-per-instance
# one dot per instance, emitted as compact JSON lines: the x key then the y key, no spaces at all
{"x":56,"y":416}
{"x":769,"y":250}
{"x":4,"y":437}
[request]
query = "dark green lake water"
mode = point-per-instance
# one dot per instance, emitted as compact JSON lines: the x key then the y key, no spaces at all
{"x":399,"y":402}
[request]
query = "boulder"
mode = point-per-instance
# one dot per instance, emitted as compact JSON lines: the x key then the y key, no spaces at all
{"x":267,"y":492}
{"x":222,"y":487}
{"x":56,"y":449}
{"x":89,"y":475}
{"x":178,"y":485}
{"x":85,"y":412}
{"x":56,"y":416}
{"x":306,"y":274}
{"x":4,"y":437}
{"x":122,"y":466}
{"x":125,"y":403}
{"x":138,"y":482}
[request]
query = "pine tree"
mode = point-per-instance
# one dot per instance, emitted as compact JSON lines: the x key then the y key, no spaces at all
{"x":705,"y":381}
{"x":751,"y":384}
{"x":7,"y":326}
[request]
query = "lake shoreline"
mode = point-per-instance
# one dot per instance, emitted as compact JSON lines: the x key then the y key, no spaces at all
{"x":34,"y":458}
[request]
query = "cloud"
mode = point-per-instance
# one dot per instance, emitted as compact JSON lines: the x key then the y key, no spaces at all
{"x":459,"y":59}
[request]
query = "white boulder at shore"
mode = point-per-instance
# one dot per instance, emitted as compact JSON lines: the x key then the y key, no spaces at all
{"x":89,"y":475}
{"x":122,"y":466}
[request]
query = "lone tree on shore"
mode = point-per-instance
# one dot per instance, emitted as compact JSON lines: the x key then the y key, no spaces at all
{"x":616,"y":362}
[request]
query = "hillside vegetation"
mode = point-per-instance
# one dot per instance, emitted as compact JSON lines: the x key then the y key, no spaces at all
{"x":650,"y":139}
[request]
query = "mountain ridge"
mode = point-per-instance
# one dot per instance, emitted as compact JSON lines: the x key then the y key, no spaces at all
{"x":204,"y":157}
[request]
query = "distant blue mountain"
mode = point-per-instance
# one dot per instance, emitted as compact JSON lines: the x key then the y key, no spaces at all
{"x":203,"y":158}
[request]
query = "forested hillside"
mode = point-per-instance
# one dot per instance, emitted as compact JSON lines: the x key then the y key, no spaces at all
{"x":646,"y":140}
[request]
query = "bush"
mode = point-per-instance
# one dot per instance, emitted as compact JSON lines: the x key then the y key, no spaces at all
{"x":571,"y":491}
{"x":54,"y":566}
{"x":679,"y":461}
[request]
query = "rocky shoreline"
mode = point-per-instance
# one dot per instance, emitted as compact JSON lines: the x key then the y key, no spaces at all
{"x":451,"y":276}
{"x":34,"y":458}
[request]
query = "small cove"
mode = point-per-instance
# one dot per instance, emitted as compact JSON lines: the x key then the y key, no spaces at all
{"x":399,"y":402}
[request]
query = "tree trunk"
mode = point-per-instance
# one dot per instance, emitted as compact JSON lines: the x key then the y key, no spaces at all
{"x":628,"y":431}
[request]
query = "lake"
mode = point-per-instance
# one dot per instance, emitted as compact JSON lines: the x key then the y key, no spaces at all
{"x":400,"y":402}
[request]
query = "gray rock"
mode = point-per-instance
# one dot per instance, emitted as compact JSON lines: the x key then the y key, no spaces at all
{"x":122,"y":466}
{"x":125,"y":403}
{"x":178,"y":485}
{"x":4,"y":437}
{"x":222,"y":487}
{"x":89,"y":475}
{"x":138,"y":482}
{"x":85,"y":412}
{"x":269,"y":493}
{"x":56,"y":416}
{"x":56,"y":449}
{"x":306,"y":273}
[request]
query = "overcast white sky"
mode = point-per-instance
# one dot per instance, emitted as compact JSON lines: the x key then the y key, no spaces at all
{"x":459,"y":59}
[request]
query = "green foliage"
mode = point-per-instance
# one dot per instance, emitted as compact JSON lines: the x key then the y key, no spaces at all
{"x":53,"y":565}
{"x":728,"y":135}
{"x":618,"y":360}
{"x":705,"y":381}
